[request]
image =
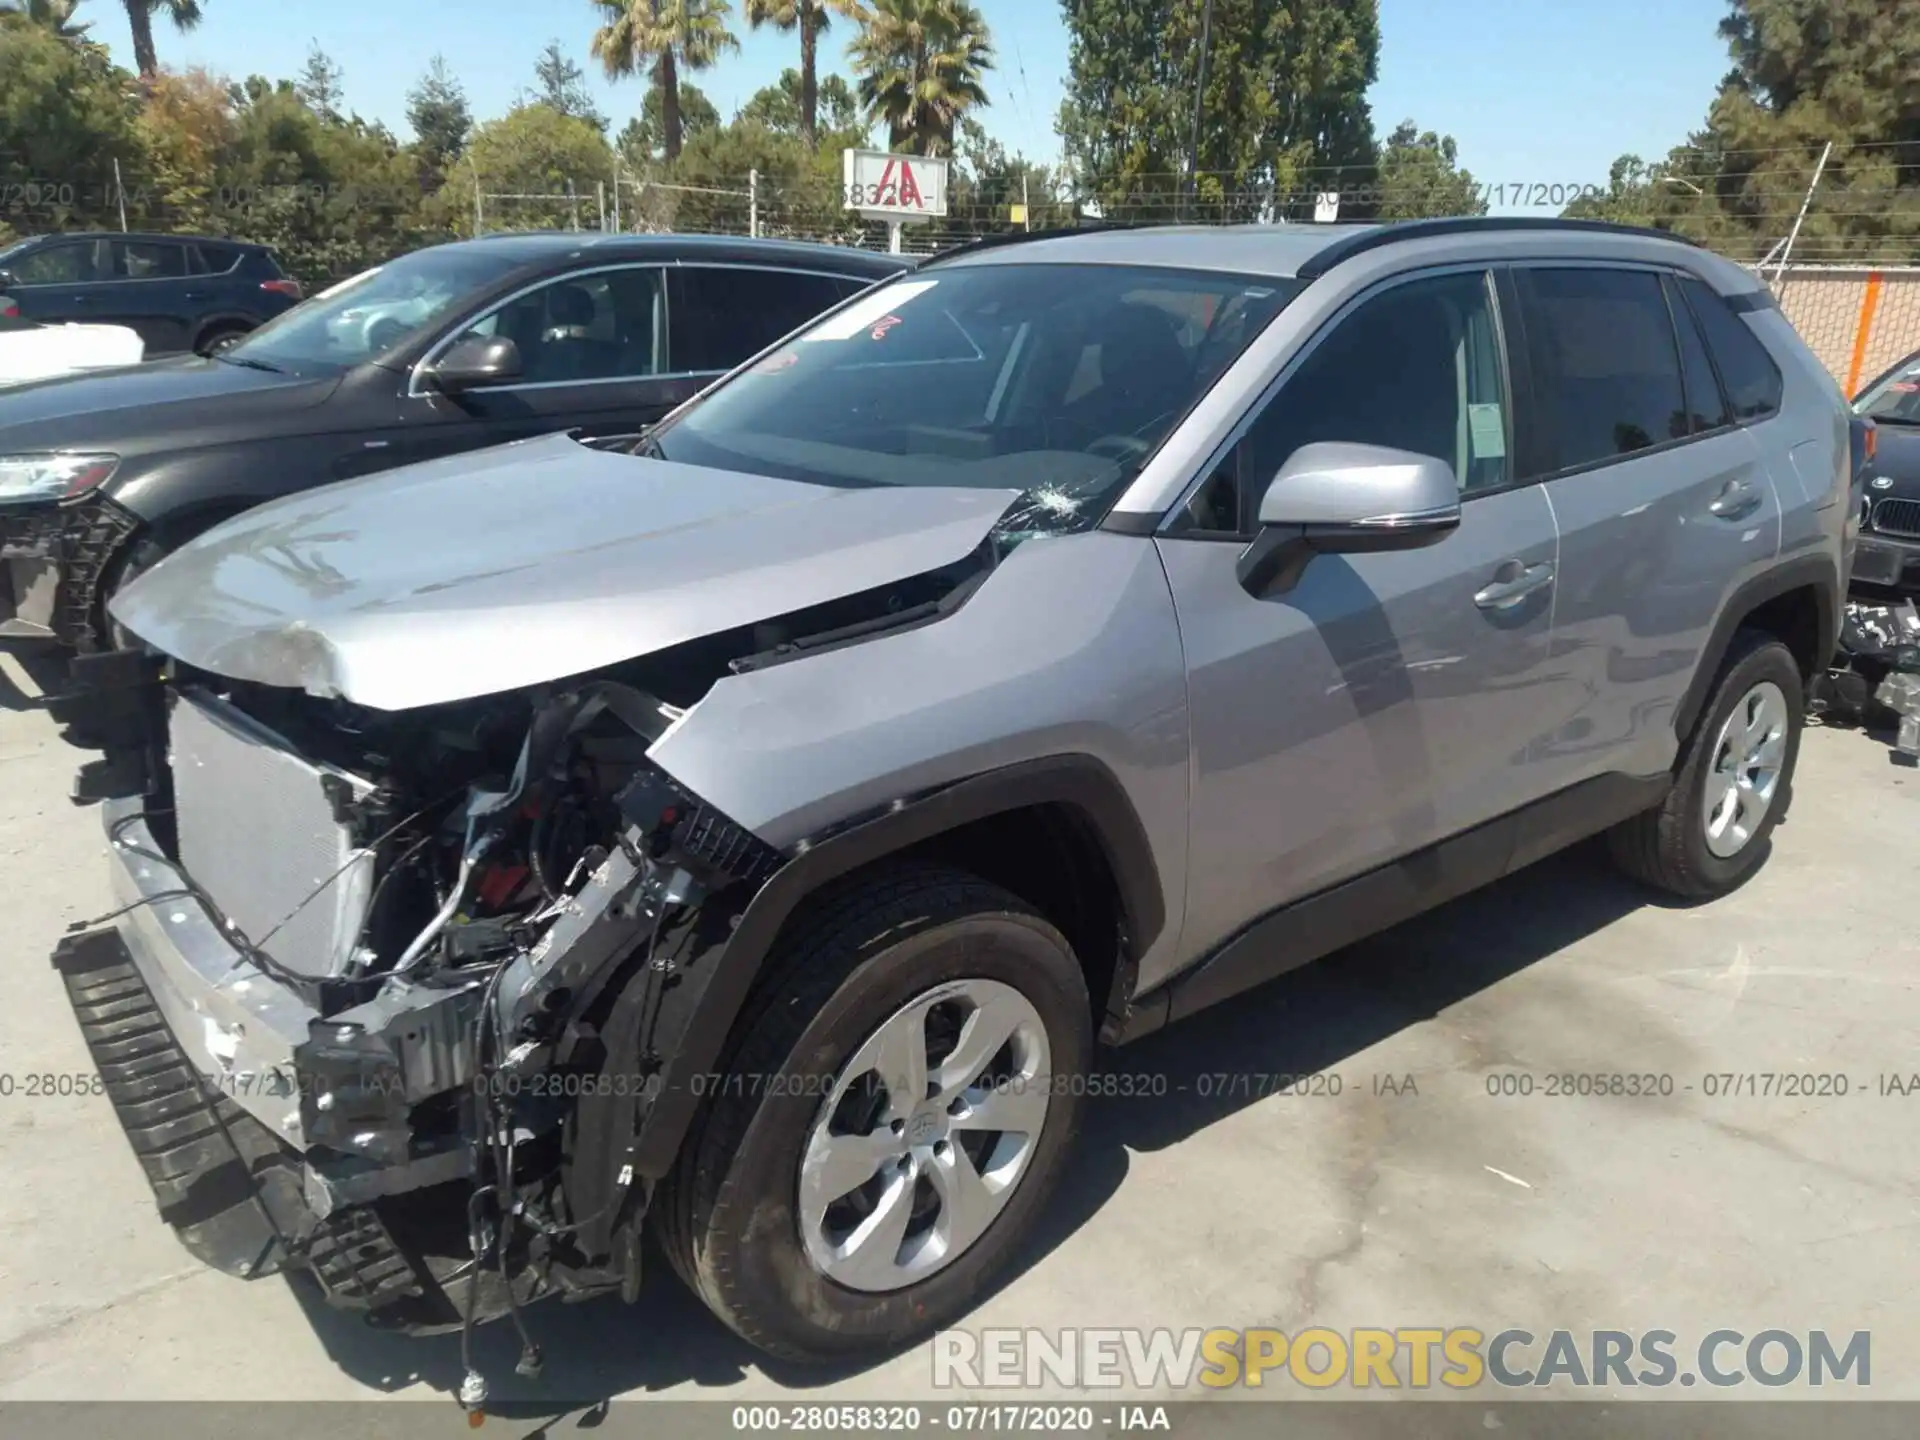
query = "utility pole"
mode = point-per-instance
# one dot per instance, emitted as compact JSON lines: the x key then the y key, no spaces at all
{"x":1199,"y":99}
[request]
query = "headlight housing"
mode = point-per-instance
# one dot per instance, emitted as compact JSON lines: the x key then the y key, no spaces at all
{"x":52,"y":477}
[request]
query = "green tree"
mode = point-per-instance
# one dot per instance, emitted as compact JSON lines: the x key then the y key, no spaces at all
{"x":838,"y":120}
{"x":987,"y":182}
{"x":662,"y":37}
{"x":65,"y":115}
{"x":1419,"y":176}
{"x":185,"y":14}
{"x":642,"y":142}
{"x":1284,"y":112}
{"x":188,"y":122}
{"x":531,"y":150}
{"x":799,"y":193}
{"x":320,"y":84}
{"x":55,"y":16}
{"x":811,"y":18}
{"x":331,"y":197}
{"x":922,"y":65}
{"x":1845,"y":72}
{"x":561,"y":85}
{"x":441,"y":119}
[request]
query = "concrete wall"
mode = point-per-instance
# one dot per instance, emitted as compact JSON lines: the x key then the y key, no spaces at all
{"x":1857,"y":321}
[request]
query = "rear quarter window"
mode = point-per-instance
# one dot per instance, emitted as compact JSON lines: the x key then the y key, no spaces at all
{"x":1752,"y":380}
{"x":217,"y":259}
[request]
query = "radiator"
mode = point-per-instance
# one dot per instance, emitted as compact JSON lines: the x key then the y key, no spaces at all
{"x":257,"y":834}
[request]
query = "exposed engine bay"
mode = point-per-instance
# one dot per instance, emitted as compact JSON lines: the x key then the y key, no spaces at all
{"x":487,"y":921}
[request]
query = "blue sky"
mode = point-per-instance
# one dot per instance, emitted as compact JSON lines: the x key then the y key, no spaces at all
{"x":1534,"y":91}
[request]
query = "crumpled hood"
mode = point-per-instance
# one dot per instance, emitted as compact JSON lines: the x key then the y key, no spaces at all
{"x":526,"y":563}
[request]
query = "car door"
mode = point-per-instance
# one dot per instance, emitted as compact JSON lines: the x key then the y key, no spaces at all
{"x":148,"y":294}
{"x":592,"y":348}
{"x":1663,"y":503}
{"x":56,"y":282}
{"x":1389,"y":700}
{"x":720,"y":315}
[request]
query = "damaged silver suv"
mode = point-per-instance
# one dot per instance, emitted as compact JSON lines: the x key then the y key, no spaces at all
{"x":756,"y":834}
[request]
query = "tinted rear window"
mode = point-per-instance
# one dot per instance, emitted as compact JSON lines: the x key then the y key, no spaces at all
{"x":1606,"y":365}
{"x":218,"y":258}
{"x":1751,"y":377}
{"x":717,"y":317}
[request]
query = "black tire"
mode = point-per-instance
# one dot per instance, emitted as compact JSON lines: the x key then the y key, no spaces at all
{"x":726,"y":1216}
{"x":1666,"y":847}
{"x":221,"y":337}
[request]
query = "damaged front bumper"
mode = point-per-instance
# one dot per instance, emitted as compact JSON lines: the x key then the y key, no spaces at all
{"x":54,"y":561}
{"x":282,"y":1128}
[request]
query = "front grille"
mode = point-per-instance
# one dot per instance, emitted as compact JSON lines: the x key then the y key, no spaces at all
{"x":1898,"y":517}
{"x":258,"y":833}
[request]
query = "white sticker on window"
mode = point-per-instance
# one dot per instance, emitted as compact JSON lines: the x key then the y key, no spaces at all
{"x":1489,"y":431}
{"x":865,"y":314}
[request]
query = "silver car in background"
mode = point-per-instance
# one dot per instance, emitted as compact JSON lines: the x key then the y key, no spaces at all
{"x":756,"y":834}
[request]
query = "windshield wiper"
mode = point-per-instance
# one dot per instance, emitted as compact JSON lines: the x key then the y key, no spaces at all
{"x":250,"y":363}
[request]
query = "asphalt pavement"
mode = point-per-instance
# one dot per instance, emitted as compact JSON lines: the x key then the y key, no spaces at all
{"x":1416,"y":1195}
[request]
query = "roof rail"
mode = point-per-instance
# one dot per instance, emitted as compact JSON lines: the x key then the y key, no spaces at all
{"x":1394,"y":233}
{"x":1021,"y":237}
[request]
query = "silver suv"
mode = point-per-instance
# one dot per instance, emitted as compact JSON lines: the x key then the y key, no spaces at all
{"x":758,"y":832}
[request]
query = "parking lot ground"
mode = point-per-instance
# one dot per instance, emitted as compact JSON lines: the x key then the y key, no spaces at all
{"x":1205,"y":1197}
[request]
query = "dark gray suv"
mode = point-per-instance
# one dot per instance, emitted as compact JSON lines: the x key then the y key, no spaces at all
{"x":755,"y":834}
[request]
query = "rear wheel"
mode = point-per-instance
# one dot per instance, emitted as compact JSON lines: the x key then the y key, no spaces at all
{"x":1734,"y":781}
{"x":892,"y":1121}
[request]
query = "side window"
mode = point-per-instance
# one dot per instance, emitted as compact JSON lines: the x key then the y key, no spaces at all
{"x":1706,"y":406}
{"x":149,"y":260}
{"x":1752,"y":379}
{"x":217,"y":259}
{"x":719,"y":317}
{"x":603,"y":326}
{"x":69,"y":264}
{"x":1417,"y":367}
{"x":1605,"y":363}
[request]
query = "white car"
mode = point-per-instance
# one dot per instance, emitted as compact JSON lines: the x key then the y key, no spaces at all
{"x":30,"y":350}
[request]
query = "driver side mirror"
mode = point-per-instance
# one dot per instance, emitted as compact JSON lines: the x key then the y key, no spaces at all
{"x":7,"y":281}
{"x":1345,"y":499}
{"x":474,"y":361}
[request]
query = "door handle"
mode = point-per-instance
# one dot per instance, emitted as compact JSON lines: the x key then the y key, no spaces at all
{"x":1737,"y":501}
{"x":1505,"y":594}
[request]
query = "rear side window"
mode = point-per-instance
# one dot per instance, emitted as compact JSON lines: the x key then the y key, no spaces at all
{"x":1606,"y":365}
{"x":150,"y":260}
{"x":719,"y":317}
{"x":1752,"y":379}
{"x":217,"y":259}
{"x":1707,"y":407}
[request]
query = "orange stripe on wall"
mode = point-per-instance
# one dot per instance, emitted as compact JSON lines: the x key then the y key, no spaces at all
{"x":1869,"y":303}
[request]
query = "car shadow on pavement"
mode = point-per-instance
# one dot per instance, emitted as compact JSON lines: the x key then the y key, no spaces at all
{"x":1305,"y":1022}
{"x":45,"y":673}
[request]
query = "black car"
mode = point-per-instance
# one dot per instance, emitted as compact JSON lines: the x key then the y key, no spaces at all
{"x":180,"y":293}
{"x":451,"y":348}
{"x":1888,"y":556}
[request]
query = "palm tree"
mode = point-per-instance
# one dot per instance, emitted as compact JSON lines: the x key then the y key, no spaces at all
{"x":811,"y":18}
{"x":185,"y":14}
{"x":921,"y":63}
{"x":54,"y":15}
{"x":662,"y":36}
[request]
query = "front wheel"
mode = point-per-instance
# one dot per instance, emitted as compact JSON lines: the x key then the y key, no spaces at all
{"x":893,"y":1120}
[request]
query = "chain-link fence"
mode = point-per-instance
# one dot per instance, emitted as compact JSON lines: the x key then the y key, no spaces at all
{"x":1836,"y":232}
